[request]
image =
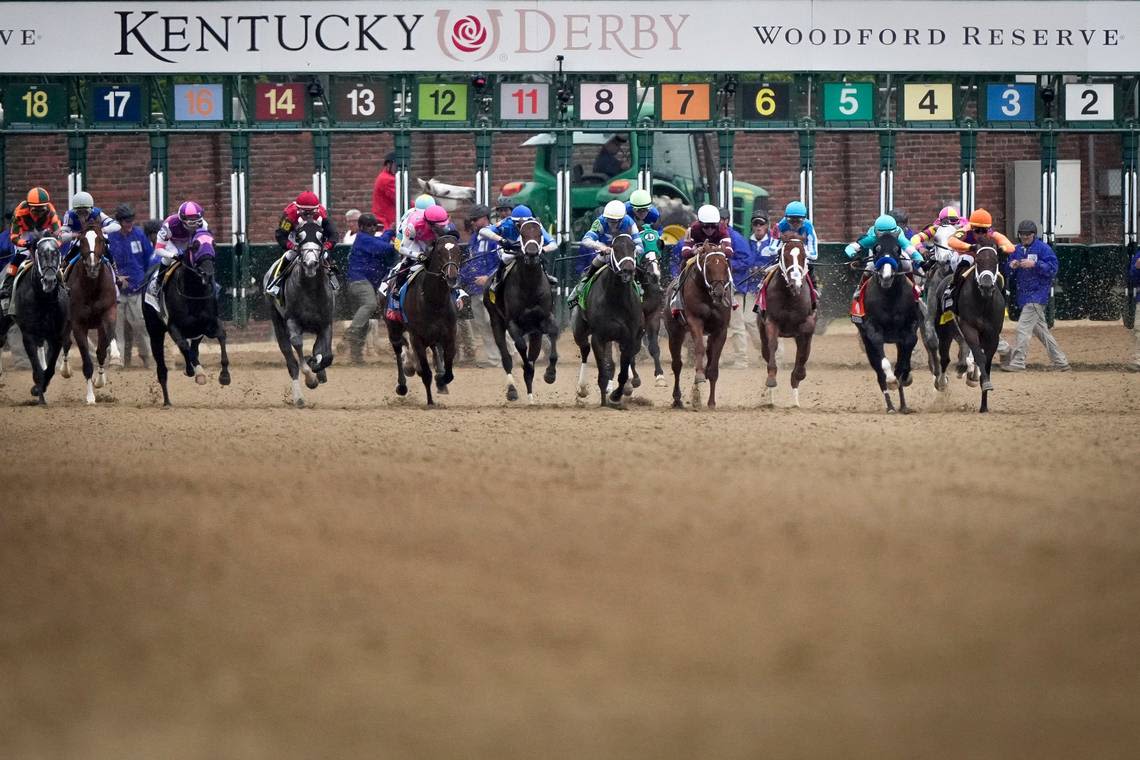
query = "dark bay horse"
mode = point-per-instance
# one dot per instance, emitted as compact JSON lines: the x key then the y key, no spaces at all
{"x":91,"y":283}
{"x":612,"y":315}
{"x":938,"y":274}
{"x":40,"y":309}
{"x":191,"y":309}
{"x":523,"y":306}
{"x":307,"y":304}
{"x":706,"y":292}
{"x":430,"y":318}
{"x":892,"y":316}
{"x":652,"y":303}
{"x":788,"y":313}
{"x":981,"y":314}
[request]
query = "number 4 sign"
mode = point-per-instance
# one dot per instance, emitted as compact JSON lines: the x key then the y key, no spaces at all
{"x":928,"y":102}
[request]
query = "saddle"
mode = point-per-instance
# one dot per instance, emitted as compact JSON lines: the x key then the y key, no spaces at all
{"x":948,"y":315}
{"x":11,"y":308}
{"x":154,"y":294}
{"x":584,"y":293}
{"x":395,"y":310}
{"x":858,"y":305}
{"x":491,"y":295}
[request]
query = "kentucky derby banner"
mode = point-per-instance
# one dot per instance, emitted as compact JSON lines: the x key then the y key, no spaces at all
{"x":597,"y":36}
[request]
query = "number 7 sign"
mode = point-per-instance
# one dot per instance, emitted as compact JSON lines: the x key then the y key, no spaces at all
{"x":684,"y":102}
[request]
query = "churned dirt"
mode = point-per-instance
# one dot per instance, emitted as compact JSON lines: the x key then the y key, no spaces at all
{"x":368,"y":578}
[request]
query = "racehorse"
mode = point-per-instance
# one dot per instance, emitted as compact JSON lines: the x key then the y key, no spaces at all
{"x":788,"y":313}
{"x":307,"y":304}
{"x":612,"y":314}
{"x":190,"y":313}
{"x":892,"y":316}
{"x":939,"y":272}
{"x":523,"y":305}
{"x":92,"y":305}
{"x":707,"y":301}
{"x":40,"y":309}
{"x":652,"y":301}
{"x":430,"y":318}
{"x":981,"y":314}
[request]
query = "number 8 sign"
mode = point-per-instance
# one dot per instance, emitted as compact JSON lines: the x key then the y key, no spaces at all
{"x":603,"y":102}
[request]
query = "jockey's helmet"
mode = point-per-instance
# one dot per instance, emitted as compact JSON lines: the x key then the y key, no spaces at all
{"x":478,"y":211}
{"x":885,"y":223}
{"x":308,"y":201}
{"x":521,"y":212}
{"x":190,"y":214}
{"x":434,"y":214}
{"x":424,"y":201}
{"x":708,"y":214}
{"x":640,"y":199}
{"x":795,"y":209}
{"x":82,"y":202}
{"x":38,"y":198}
{"x":981,"y":219}
{"x":614,"y":210}
{"x":948,"y":215}
{"x":899,"y":216}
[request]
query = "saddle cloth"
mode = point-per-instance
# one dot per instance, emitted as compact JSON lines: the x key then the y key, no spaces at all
{"x":491,"y":295}
{"x":154,"y":294}
{"x":11,"y":305}
{"x":584,"y":293}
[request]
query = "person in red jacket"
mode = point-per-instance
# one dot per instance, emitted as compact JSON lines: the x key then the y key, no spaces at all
{"x":384,"y":194}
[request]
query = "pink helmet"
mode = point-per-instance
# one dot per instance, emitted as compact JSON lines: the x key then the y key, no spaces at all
{"x":949,"y":215}
{"x":435,"y":214}
{"x":190,"y":214}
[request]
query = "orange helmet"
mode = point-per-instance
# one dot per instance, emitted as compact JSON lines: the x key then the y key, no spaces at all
{"x":981,"y":218}
{"x":37,"y":196}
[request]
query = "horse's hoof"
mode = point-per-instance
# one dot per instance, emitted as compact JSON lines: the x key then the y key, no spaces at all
{"x":201,"y":379}
{"x":441,"y":389}
{"x":188,"y":370}
{"x":224,"y":378}
{"x":635,"y":382}
{"x":891,"y":410}
{"x":100,"y":381}
{"x":677,"y":404}
{"x":311,"y":382}
{"x":550,"y":376}
{"x":987,"y":386}
{"x":512,"y":393}
{"x":771,"y":382}
{"x":322,"y":376}
{"x":627,"y":390}
{"x":583,"y":391}
{"x":65,"y":370}
{"x":35,"y":390}
{"x":904,"y":410}
{"x":971,"y":382}
{"x":941,"y":383}
{"x":401,"y":390}
{"x":299,"y":403}
{"x":617,"y":395}
{"x":893,"y":383}
{"x":660,"y":381}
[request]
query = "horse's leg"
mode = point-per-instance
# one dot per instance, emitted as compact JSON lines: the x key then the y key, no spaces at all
{"x":799,"y":372}
{"x":696,"y":330}
{"x":988,"y":346}
{"x":53,"y":348}
{"x":103,"y":336}
{"x":716,"y":345}
{"x":583,"y":341}
{"x":770,"y":336}
{"x":291,"y":363}
{"x":449,"y":349}
{"x":653,"y":344}
{"x":224,"y":375}
{"x":520,"y":343}
{"x":323,"y":352}
{"x":676,"y":346}
{"x":436,"y":351}
{"x":499,"y":334}
{"x":156,"y":332}
{"x":396,"y":340}
{"x":79,"y":336}
{"x":877,"y":359}
{"x":184,"y":348}
{"x":902,"y":367}
{"x":945,"y":339}
{"x":424,"y":367}
{"x":601,"y":349}
{"x":929,"y":338}
{"x":36,"y":360}
{"x":65,"y":363}
{"x":534,"y":349}
{"x":297,"y":342}
{"x":626,"y":352}
{"x":199,"y":371}
{"x":550,"y":329}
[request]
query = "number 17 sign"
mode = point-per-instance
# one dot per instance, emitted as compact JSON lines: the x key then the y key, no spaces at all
{"x":527,"y":101}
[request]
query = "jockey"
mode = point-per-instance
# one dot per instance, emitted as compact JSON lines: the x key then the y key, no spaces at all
{"x":947,"y":217}
{"x":175,"y":235}
{"x":885,"y":226}
{"x":708,"y":228}
{"x":507,"y":234}
{"x":423,"y":202}
{"x":82,"y":213}
{"x":640,"y":209}
{"x":963,"y":243}
{"x":902,"y":219}
{"x":796,"y":222}
{"x":31,"y":220}
{"x":600,"y":237}
{"x":306,"y":208}
{"x":420,"y":233}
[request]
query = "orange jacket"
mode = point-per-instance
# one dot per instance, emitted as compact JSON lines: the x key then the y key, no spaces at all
{"x":964,"y":241}
{"x":23,"y":222}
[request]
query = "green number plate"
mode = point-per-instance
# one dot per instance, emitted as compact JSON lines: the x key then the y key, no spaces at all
{"x":442,"y":102}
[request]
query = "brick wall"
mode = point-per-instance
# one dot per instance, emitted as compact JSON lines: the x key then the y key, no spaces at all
{"x":846,"y":187}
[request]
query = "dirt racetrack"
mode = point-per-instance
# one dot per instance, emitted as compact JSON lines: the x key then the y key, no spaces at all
{"x":367,"y":578}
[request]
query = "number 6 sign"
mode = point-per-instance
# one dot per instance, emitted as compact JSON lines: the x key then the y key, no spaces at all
{"x":603,"y":102}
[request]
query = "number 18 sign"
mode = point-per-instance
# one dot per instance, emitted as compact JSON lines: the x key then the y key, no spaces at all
{"x":524,"y":101}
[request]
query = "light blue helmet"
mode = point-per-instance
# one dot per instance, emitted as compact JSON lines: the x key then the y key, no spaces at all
{"x":424,"y":201}
{"x":521,"y":212}
{"x":796,"y":208}
{"x":885,"y":223}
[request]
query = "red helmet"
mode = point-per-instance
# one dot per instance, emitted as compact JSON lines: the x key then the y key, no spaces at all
{"x":308,"y":201}
{"x":435,"y":214}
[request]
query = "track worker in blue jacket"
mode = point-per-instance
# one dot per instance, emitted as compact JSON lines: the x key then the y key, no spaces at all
{"x":742,"y":263}
{"x":372,"y":255}
{"x":1033,"y":265}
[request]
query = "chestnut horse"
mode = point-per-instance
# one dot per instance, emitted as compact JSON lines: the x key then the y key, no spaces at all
{"x":91,"y":286}
{"x":706,"y":295}
{"x":788,"y":313}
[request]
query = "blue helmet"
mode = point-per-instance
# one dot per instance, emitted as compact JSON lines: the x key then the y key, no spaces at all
{"x":796,"y":208}
{"x":521,"y":212}
{"x":424,"y":201}
{"x":885,"y":223}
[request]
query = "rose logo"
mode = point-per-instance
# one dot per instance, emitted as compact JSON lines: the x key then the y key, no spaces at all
{"x":468,"y":34}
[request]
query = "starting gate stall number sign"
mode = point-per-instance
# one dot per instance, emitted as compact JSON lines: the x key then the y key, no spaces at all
{"x":441,"y":102}
{"x":527,"y":101}
{"x":116,"y":104}
{"x":684,"y":102}
{"x":928,"y":102}
{"x":606,"y":101}
{"x":359,"y":101}
{"x":35,"y":104}
{"x":848,"y":101}
{"x":1090,"y":102}
{"x":765,"y":102}
{"x":1011,"y":102}
{"x":199,"y":102}
{"x":279,"y":101}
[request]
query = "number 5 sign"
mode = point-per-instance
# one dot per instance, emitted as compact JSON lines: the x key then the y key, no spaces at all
{"x":848,"y":101}
{"x":603,"y":102}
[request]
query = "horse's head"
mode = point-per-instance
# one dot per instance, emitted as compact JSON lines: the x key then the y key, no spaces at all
{"x":623,"y":258}
{"x":793,"y":263}
{"x":445,"y":259}
{"x":310,"y":239}
{"x":200,"y":256}
{"x":886,"y":252}
{"x":530,"y":237}
{"x":47,"y":260}
{"x":713,"y":265}
{"x":92,"y":246}
{"x":985,"y":264}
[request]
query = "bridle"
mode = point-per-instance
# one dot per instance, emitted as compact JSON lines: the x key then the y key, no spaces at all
{"x":709,"y":250}
{"x":94,"y":263}
{"x":51,"y":245}
{"x":449,"y":269}
{"x":795,"y":273}
{"x":986,"y":278}
{"x":615,"y":262}
{"x":532,"y":247}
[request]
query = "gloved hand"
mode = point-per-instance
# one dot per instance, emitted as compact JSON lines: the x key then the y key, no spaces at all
{"x":852,"y":250}
{"x":512,"y":245}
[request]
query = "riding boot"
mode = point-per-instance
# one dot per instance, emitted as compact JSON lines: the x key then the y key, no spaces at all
{"x":950,"y":295}
{"x":6,"y":286}
{"x":496,"y":278}
{"x":587,"y":273}
{"x":856,"y":302}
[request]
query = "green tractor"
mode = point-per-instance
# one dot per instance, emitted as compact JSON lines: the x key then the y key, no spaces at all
{"x":684,"y":166}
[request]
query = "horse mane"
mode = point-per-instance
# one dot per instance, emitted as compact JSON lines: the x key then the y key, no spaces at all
{"x":789,"y":235}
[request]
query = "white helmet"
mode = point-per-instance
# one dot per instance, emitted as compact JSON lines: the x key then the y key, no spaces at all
{"x":708,"y":214}
{"x":82,"y":199}
{"x":614,"y":210}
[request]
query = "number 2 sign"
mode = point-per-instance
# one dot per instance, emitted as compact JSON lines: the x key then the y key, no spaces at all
{"x":1090,"y":102}
{"x":603,"y":101}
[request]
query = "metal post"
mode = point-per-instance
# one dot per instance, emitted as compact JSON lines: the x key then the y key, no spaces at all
{"x":564,"y":151}
{"x":1049,"y":186}
{"x":969,"y":143}
{"x":322,"y":163}
{"x":726,"y":182}
{"x":644,"y":160}
{"x":403,"y":162}
{"x":3,"y":176}
{"x":886,"y":171}
{"x":1128,"y":189}
{"x":483,"y":167}
{"x":158,"y":167}
{"x":239,"y":209}
{"x":807,"y":169}
{"x":77,"y":164}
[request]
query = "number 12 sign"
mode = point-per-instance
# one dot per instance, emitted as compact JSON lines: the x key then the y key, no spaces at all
{"x":527,"y":101}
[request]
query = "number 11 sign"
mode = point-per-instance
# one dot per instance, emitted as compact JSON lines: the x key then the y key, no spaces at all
{"x":524,"y":101}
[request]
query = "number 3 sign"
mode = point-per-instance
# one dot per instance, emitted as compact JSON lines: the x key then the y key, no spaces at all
{"x":603,"y":102}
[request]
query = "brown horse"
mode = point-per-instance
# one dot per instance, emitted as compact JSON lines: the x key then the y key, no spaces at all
{"x":91,"y":285}
{"x":788,"y":313}
{"x":706,"y":295}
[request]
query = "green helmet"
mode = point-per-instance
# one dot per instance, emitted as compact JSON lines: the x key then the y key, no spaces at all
{"x":885,"y":223}
{"x":640,"y":199}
